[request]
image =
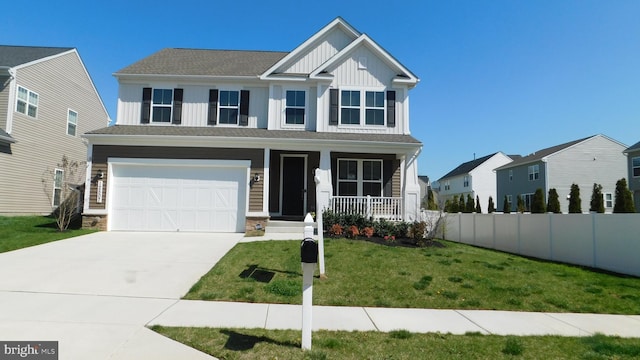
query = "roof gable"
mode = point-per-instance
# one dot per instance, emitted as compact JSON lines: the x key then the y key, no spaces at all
{"x":467,"y":167}
{"x":633,"y":148}
{"x":12,"y":56}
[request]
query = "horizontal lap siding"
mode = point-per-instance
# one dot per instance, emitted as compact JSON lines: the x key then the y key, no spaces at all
{"x":101,"y":153}
{"x":5,"y":81}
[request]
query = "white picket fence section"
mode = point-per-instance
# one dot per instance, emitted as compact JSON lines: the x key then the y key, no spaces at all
{"x":603,"y":241}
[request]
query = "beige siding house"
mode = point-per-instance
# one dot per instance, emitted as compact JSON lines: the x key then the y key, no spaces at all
{"x":226,"y":140}
{"x":47,"y":101}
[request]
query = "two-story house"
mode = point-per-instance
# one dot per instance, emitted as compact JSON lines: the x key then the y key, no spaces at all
{"x":633,"y":158}
{"x":475,"y":178}
{"x":47,"y":101}
{"x":595,"y":159}
{"x":219,"y":140}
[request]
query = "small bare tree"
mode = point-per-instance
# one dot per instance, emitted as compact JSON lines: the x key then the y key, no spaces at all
{"x":62,"y":186}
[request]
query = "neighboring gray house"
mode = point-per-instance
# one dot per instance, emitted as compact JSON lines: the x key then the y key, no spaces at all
{"x":595,"y":159}
{"x":224,"y":140}
{"x":475,"y":178}
{"x":425,"y":185}
{"x":633,"y":158}
{"x":47,"y":100}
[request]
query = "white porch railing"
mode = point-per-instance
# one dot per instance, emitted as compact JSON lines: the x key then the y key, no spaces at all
{"x":388,"y":208}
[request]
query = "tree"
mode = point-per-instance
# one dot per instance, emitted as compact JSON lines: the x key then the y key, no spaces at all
{"x":575,"y":204}
{"x":461,"y":205}
{"x":506,"y":205}
{"x":491,"y":208}
{"x":597,"y":200}
{"x":520,"y":204}
{"x":478,"y":208}
{"x":60,"y":185}
{"x":623,"y":198}
{"x":537,"y":204}
{"x":553,"y":204}
{"x":431,"y":201}
{"x":454,"y":205}
{"x":470,"y":205}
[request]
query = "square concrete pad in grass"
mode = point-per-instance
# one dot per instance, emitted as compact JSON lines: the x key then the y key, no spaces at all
{"x":520,"y":323}
{"x":421,"y":320}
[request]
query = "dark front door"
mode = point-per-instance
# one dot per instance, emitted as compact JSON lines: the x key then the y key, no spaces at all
{"x":293,"y":189}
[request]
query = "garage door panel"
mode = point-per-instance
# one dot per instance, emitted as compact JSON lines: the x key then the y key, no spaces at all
{"x":178,"y":198}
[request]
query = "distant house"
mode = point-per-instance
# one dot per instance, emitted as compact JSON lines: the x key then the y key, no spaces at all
{"x":230,"y":139}
{"x":425,"y":185}
{"x":47,"y":100}
{"x":633,"y":159}
{"x":595,"y":159}
{"x":474,"y":178}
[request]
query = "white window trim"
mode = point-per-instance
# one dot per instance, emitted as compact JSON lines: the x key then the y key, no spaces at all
{"x":524,"y":199}
{"x":465,"y":181}
{"x":151,"y":120}
{"x":27,"y":103}
{"x":604,"y":196}
{"x":634,"y":167}
{"x":69,"y":111}
{"x":362,"y":107}
{"x":510,"y":199}
{"x":510,"y":175}
{"x":359,"y":176}
{"x":447,"y":185}
{"x":534,"y":172}
{"x":284,"y":108}
{"x":220,"y":107}
{"x":55,"y":187}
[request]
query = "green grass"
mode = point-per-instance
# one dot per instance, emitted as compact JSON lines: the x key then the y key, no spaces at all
{"x":248,"y":344}
{"x":454,"y":277}
{"x":17,"y":232}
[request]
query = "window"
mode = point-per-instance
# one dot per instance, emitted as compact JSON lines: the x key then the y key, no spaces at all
{"x":350,"y":111}
{"x":295,"y":105}
{"x":447,"y":185}
{"x":635,"y":166}
{"x":229,"y":104}
{"x":608,"y":200}
{"x":509,"y":199}
{"x":27,"y":102}
{"x":528,"y":200}
{"x":466,"y":181}
{"x":510,"y":175}
{"x":359,"y":177}
{"x":72,"y":122}
{"x":57,"y":186}
{"x":162,"y":105}
{"x":374,"y":108}
{"x":534,"y":172}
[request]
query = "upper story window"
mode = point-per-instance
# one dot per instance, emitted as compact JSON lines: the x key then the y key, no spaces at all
{"x":357,"y":177}
{"x":466,"y":181}
{"x":447,"y":185}
{"x":27,"y":102}
{"x":162,"y":105}
{"x":510,"y":175}
{"x":58,"y":180}
{"x":72,"y":122}
{"x":534,"y":172}
{"x":350,"y":107}
{"x":295,"y":107}
{"x":229,"y":107}
{"x":635,"y":166}
{"x":374,"y":108}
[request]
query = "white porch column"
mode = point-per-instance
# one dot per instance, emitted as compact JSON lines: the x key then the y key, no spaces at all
{"x":411,"y":187}
{"x":265,"y":184}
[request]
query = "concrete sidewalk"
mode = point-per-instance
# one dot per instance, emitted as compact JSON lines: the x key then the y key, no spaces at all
{"x":190,"y":313}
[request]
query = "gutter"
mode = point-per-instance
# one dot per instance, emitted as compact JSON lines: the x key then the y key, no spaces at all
{"x":8,"y":70}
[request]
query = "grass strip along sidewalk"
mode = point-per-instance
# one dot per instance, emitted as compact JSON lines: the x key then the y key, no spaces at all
{"x":17,"y":232}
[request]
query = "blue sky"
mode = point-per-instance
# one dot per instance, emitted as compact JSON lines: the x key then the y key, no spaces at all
{"x":502,"y":75}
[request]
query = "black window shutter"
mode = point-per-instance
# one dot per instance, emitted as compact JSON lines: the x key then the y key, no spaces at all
{"x":213,"y":107}
{"x":387,"y":176}
{"x":333,"y":107}
{"x":177,"y":106}
{"x":244,"y":108}
{"x":391,"y":108}
{"x":146,"y":106}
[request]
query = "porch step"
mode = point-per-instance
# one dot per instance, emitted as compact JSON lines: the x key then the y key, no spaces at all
{"x":285,"y":227}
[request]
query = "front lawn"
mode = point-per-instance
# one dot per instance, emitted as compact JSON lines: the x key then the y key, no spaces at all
{"x":455,"y":276}
{"x":248,"y":344}
{"x":18,"y":232}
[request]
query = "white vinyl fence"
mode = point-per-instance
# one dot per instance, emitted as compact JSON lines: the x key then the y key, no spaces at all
{"x":603,"y":241}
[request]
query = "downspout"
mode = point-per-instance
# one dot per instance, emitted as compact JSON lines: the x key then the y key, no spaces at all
{"x":11,"y":98}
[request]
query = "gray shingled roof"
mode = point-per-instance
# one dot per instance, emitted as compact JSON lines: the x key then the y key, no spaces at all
{"x":18,"y":55}
{"x":634,"y":147}
{"x":465,"y":168}
{"x":204,"y":62}
{"x":146,"y":130}
{"x":538,"y":155}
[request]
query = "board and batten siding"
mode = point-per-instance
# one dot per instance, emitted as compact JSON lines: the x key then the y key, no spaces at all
{"x":5,"y":82}
{"x":102,"y":152}
{"x":327,"y":46}
{"x":596,"y":160}
{"x":61,"y":84}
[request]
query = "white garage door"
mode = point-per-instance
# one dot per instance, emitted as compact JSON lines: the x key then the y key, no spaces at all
{"x":192,"y":196}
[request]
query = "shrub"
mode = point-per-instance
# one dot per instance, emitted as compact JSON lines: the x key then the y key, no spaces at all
{"x":352,"y":232}
{"x":336,"y":230}
{"x":384,"y":228}
{"x":575,"y":204}
{"x":597,"y":201}
{"x":329,"y":218}
{"x":492,"y":207}
{"x":417,"y":232}
{"x":520,"y":204}
{"x":478,"y":208}
{"x":553,"y":204}
{"x":537,"y":206}
{"x":368,"y":231}
{"x":623,"y":198}
{"x":506,"y":205}
{"x":401,"y":229}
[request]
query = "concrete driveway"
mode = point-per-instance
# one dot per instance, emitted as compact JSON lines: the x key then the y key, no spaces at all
{"x":95,"y":293}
